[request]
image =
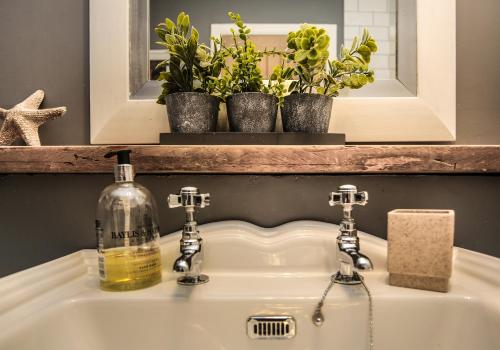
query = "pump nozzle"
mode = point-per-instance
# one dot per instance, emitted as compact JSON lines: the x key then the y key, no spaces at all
{"x":122,"y":155}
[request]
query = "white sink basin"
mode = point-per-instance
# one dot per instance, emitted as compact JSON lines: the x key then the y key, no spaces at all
{"x":253,"y":271}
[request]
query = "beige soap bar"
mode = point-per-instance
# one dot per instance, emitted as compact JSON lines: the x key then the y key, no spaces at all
{"x":420,"y":248}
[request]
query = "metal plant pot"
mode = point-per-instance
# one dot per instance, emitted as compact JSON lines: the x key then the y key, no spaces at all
{"x":252,"y":112}
{"x":192,"y":112}
{"x":309,"y":113}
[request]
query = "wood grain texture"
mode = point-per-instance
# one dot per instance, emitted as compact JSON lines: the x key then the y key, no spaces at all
{"x":257,"y":159}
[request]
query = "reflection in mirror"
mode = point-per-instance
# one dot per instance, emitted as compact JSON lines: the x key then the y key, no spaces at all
{"x":391,"y":22}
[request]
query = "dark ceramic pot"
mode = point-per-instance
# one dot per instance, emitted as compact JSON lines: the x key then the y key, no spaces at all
{"x":192,"y":112}
{"x":309,"y":113}
{"x":252,"y":112}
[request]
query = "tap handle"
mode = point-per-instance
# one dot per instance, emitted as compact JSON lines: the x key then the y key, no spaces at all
{"x":189,"y":197}
{"x":347,"y":196}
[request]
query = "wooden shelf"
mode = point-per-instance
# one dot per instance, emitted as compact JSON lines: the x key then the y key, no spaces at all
{"x":257,"y":159}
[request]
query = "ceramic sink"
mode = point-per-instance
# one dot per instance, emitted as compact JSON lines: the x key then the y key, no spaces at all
{"x":253,"y":272}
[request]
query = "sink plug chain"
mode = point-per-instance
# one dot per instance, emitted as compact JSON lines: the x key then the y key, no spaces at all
{"x":370,"y":315}
{"x":318,"y":317}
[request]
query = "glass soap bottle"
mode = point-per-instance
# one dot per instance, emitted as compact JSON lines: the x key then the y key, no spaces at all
{"x":127,"y":232}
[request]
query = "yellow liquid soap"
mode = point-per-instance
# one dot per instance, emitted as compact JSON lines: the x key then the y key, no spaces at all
{"x":130,"y":268}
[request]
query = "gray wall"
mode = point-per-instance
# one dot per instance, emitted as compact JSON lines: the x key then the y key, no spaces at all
{"x":478,"y":81}
{"x":46,"y":216}
{"x":44,"y":44}
{"x":203,"y":13}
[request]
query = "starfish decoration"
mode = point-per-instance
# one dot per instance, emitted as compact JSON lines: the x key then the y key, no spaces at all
{"x":24,"y":119}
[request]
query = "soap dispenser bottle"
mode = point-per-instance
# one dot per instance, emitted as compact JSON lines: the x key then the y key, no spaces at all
{"x":127,"y":232}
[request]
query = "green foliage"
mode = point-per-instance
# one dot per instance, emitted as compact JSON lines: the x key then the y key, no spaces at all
{"x":191,"y":66}
{"x":315,"y":73}
{"x":308,"y":49}
{"x":352,"y":68}
{"x":276,"y":84}
{"x":244,"y":74}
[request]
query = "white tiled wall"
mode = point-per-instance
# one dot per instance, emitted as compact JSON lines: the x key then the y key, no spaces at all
{"x":379,"y":17}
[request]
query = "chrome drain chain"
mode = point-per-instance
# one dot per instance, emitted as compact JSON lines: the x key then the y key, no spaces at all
{"x":318,"y":317}
{"x":370,"y":315}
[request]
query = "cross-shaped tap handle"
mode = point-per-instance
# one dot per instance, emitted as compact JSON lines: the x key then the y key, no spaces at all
{"x":347,"y":196}
{"x":189,"y":197}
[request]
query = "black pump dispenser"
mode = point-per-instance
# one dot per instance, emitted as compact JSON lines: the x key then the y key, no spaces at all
{"x":123,"y":156}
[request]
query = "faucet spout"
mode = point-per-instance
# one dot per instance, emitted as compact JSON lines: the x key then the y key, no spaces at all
{"x":184,"y":263}
{"x":350,"y":258}
{"x":360,"y":261}
{"x":189,"y":263}
{"x":191,"y":258}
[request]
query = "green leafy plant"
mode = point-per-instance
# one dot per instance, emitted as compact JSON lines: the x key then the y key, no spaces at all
{"x":309,"y":51}
{"x":244,"y":75}
{"x":352,"y":68}
{"x":314,"y":72}
{"x":277,"y":83}
{"x":191,"y":67}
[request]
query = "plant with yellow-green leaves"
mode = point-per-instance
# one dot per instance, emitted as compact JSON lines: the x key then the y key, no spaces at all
{"x":314,"y":72}
{"x":276,"y":84}
{"x":352,"y":68}
{"x":309,"y":51}
{"x":191,"y":67}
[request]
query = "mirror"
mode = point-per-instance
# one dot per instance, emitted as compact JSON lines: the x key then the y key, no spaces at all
{"x":391,"y":22}
{"x":412,"y":100}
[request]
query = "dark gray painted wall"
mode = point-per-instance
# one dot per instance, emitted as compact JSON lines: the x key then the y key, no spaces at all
{"x":44,"y":44}
{"x":46,"y":216}
{"x":203,"y":13}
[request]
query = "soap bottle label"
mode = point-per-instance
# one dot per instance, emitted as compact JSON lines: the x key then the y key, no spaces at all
{"x":135,"y":237}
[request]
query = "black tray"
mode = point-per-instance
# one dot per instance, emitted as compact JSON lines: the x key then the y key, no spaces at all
{"x":240,"y":138}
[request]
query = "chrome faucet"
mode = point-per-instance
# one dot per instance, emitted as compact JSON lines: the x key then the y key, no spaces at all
{"x":189,"y":263}
{"x":348,"y":252}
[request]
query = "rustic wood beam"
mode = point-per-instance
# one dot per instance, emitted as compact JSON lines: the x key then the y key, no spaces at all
{"x":257,"y":159}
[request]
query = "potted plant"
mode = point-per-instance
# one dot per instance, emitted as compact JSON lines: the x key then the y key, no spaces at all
{"x":317,"y":79}
{"x":189,"y":79}
{"x":252,"y":106}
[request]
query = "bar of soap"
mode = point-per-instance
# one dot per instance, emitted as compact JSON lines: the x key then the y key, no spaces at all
{"x":420,"y":248}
